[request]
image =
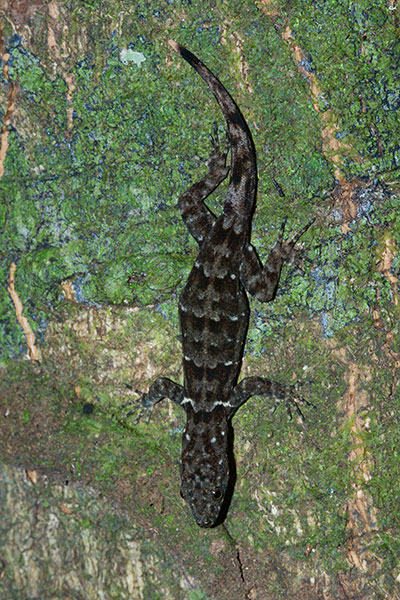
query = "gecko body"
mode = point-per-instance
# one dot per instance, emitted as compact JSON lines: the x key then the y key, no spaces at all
{"x":214,"y":313}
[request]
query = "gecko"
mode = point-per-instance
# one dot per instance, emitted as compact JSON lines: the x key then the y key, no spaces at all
{"x":214,"y":313}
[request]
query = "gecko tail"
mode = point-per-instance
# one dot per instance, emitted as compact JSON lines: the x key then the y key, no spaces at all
{"x":177,"y":47}
{"x":243,"y":181}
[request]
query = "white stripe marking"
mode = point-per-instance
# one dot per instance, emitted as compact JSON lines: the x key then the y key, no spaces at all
{"x":187,"y":401}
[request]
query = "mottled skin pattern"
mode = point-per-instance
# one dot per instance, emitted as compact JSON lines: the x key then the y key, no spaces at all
{"x":214,"y":312}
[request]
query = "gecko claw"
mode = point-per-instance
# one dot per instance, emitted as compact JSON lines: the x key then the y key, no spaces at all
{"x":218,"y":156}
{"x":282,"y":231}
{"x":298,"y":235}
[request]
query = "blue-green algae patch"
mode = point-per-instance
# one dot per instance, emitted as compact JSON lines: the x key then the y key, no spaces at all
{"x":354,"y":51}
{"x":95,"y":202}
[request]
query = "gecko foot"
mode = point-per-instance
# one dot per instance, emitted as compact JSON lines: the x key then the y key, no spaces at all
{"x":217,"y":160}
{"x":293,"y":400}
{"x":143,"y":406}
{"x":298,"y":235}
{"x":285,"y":248}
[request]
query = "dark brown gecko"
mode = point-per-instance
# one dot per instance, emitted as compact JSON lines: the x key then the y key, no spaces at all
{"x":214,"y":314}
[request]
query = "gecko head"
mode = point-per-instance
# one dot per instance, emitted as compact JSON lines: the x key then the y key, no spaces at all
{"x":205,"y":468}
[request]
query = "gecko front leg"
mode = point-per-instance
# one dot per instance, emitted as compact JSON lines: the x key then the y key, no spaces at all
{"x":160,"y":388}
{"x":259,"y":386}
{"x":261,"y":281}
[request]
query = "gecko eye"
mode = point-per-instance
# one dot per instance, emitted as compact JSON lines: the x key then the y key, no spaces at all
{"x":217,"y":494}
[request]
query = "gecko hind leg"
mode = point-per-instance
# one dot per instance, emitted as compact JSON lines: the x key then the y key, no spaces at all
{"x":262,"y":280}
{"x":197,"y":217}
